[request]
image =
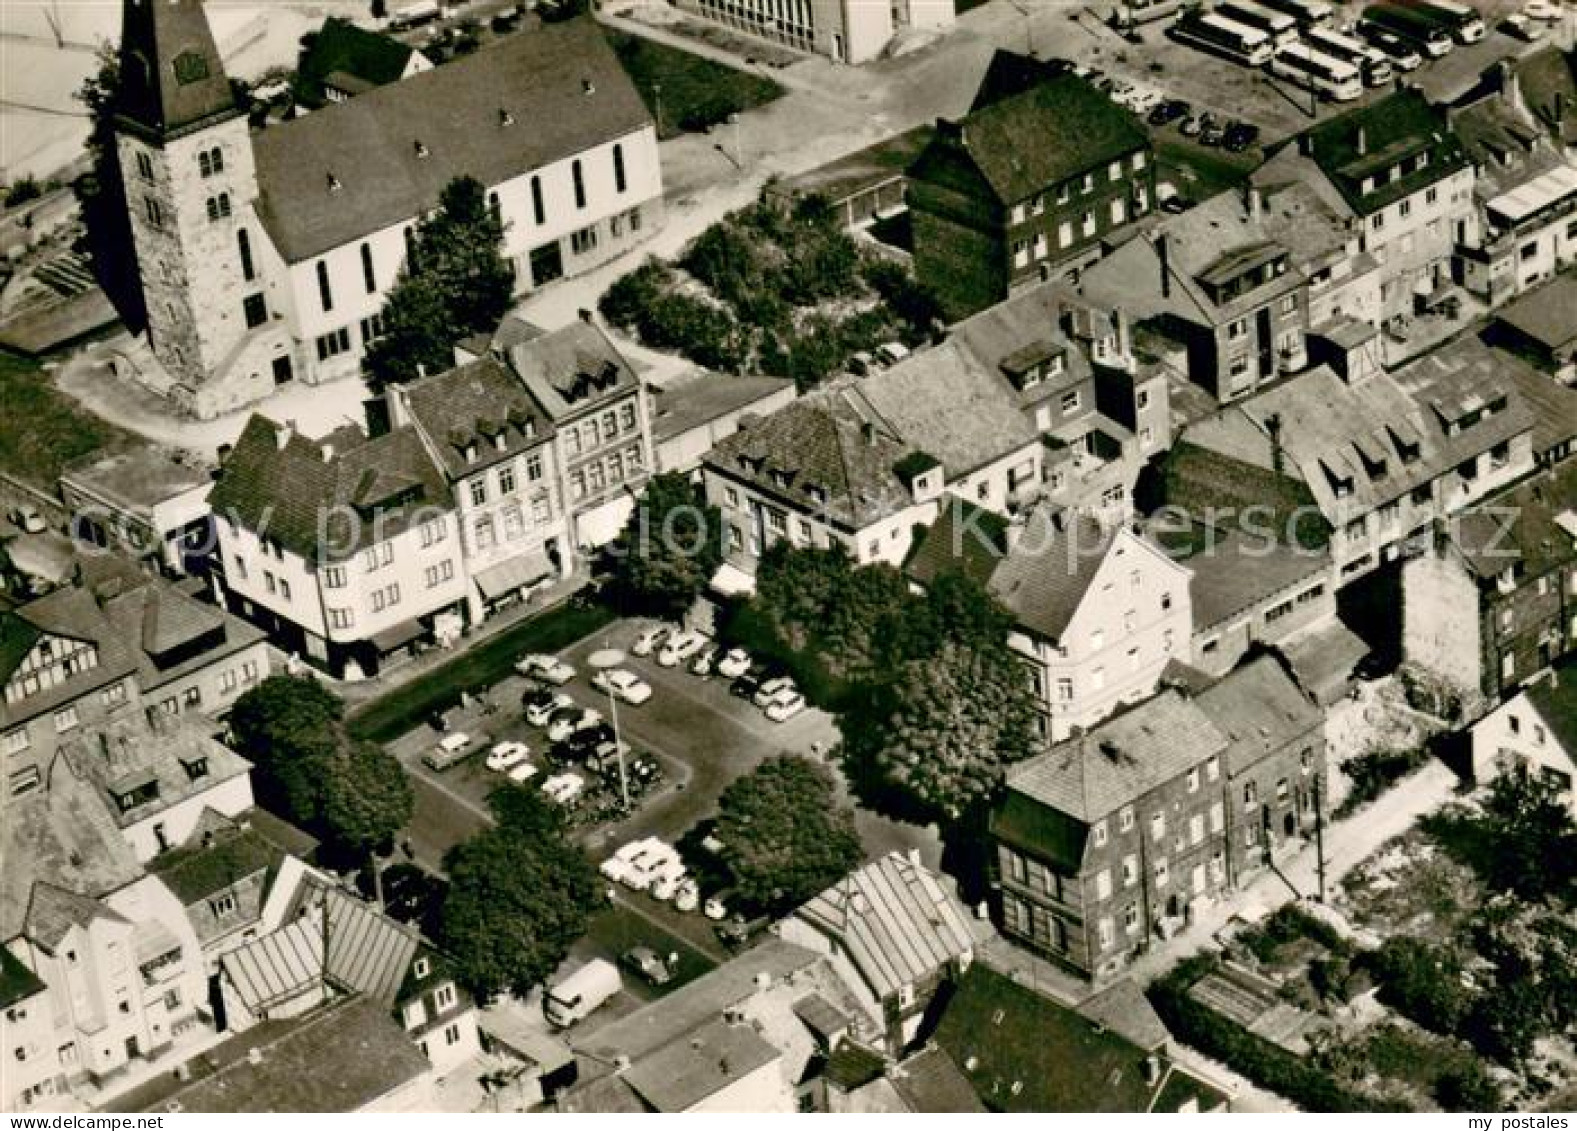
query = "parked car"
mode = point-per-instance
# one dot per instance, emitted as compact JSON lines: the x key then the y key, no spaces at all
{"x":785,"y":705}
{"x":749,"y":681}
{"x":548,"y":669}
{"x":505,"y":756}
{"x":1169,"y":111}
{"x":1542,"y":10}
{"x":564,"y":788}
{"x":540,"y":711}
{"x":579,"y":994}
{"x":569,"y":720}
{"x":29,"y":520}
{"x":522,"y":773}
{"x":716,"y":907}
{"x":1519,"y":25}
{"x":1193,"y":123}
{"x":680,"y":647}
{"x":623,"y":684}
{"x":646,"y":643}
{"x":688,"y":897}
{"x":1239,"y":136}
{"x":738,"y":930}
{"x":706,"y":661}
{"x":450,"y":749}
{"x":735,"y":664}
{"x":863,"y":364}
{"x":770,"y":689}
{"x":891,"y":352}
{"x":648,"y":964}
{"x":1212,"y":135}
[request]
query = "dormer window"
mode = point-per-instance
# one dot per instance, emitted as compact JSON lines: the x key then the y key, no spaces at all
{"x":334,"y":183}
{"x":196,"y":768}
{"x":422,"y":152}
{"x":505,"y":118}
{"x":139,"y":793}
{"x":816,"y":492}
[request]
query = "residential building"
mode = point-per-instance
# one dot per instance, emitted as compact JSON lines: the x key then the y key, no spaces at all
{"x":692,"y":414}
{"x":1399,"y":171}
{"x":1533,"y":729}
{"x":1492,"y":602}
{"x":33,"y":1079}
{"x":1359,"y":460}
{"x":846,"y":31}
{"x":859,"y":187}
{"x":1240,"y":280}
{"x":1022,"y":1052}
{"x":266,"y":257}
{"x":1540,"y":328}
{"x":222,"y":874}
{"x":1035,"y":180}
{"x":895,"y":934}
{"x":143,"y":503}
{"x":346,"y":548}
{"x":1105,"y":843}
{"x":494,"y":443}
{"x":1547,"y":79}
{"x":1098,"y":612}
{"x":343,"y":60}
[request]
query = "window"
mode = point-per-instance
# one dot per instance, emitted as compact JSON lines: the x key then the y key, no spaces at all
{"x":444,"y":998}
{"x":334,"y":577}
{"x":368,"y":277}
{"x":66,"y":719}
{"x":583,"y":241}
{"x":1193,"y":780}
{"x":219,"y":206}
{"x":334,"y":343}
{"x":1250,"y":794}
{"x":1131,"y":918}
{"x":154,"y":213}
{"x":438,"y":574}
{"x":1104,"y":931}
{"x":451,"y":1034}
{"x":144,"y":166}
{"x":1218,"y":817}
{"x":371,"y":328}
{"x":243,"y":243}
{"x":538,"y":211}
{"x":1103,"y":884}
{"x":1125,"y":818}
{"x":1099,"y":833}
{"x":25,"y":780}
{"x":340,"y":618}
{"x":1196,"y":828}
{"x":210,"y":161}
{"x":1065,"y":233}
{"x":1213,"y":768}
{"x":221,"y":905}
{"x":1158,"y":827}
{"x":506,"y":480}
{"x":1114,"y":171}
{"x":284,"y":588}
{"x":16,"y":741}
{"x":478,"y":491}
{"x":579,"y":179}
{"x":1070,"y":401}
{"x":254,"y":308}
{"x":114,"y":694}
{"x":1064,"y":689}
{"x":325,"y":294}
{"x":1163,"y":873}
{"x":618,"y":168}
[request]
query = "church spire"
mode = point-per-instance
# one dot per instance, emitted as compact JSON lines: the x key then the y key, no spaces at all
{"x":172,"y":79}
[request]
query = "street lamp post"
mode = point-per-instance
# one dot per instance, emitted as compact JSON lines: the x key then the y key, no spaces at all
{"x":604,"y":660}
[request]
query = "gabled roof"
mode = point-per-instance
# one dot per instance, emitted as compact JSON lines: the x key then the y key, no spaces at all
{"x":1546,"y":314}
{"x":1026,"y":323}
{"x":473,"y":407}
{"x":54,"y":911}
{"x":1236,"y":572}
{"x":1259,"y":709}
{"x":965,"y":538}
{"x":172,"y":78}
{"x":1026,"y":1053}
{"x":196,"y":871}
{"x":72,"y":613}
{"x":572,"y":369}
{"x":1370,"y":140}
{"x":1030,"y":142}
{"x":715,"y":1055}
{"x":894,"y":921}
{"x":281,"y":484}
{"x":1556,"y":701}
{"x":368,"y":57}
{"x":1549,"y":86}
{"x":17,"y":982}
{"x":704,"y":397}
{"x":1522,"y":528}
{"x":177,"y":755}
{"x":516,"y":105}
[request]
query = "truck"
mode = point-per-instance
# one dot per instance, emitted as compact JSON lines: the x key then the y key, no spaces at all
{"x":577,"y":995}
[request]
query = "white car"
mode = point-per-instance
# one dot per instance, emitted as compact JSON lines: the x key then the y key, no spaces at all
{"x":679,"y":648}
{"x":563,"y":788}
{"x":568,"y":722}
{"x":1543,"y":10}
{"x":666,"y":885}
{"x":615,"y":868}
{"x":505,"y":756}
{"x":688,"y":897}
{"x":735,"y":664}
{"x":715,"y":909}
{"x":771,"y":689}
{"x":538,"y":714}
{"x":1519,"y":26}
{"x":623,"y":684}
{"x":646,"y":643}
{"x":785,"y":705}
{"x":549,"y":669}
{"x":522,"y":773}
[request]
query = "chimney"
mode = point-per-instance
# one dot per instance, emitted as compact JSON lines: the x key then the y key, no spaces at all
{"x":868,"y":430}
{"x":1306,"y":144}
{"x":326,"y":452}
{"x":585,"y":315}
{"x":1013,"y":533}
{"x":1164,"y":254}
{"x":1253,"y":201}
{"x":1362,"y":142}
{"x":254,"y":1055}
{"x":588,"y":87}
{"x":505,"y":118}
{"x":1152,"y":1070}
{"x":283,"y":433}
{"x":914,"y":858}
{"x":1124,"y":335}
{"x":399,"y":405}
{"x":334,"y":183}
{"x":422,"y":151}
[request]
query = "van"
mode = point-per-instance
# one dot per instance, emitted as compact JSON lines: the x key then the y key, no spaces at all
{"x":451,"y":749}
{"x":579,"y":994}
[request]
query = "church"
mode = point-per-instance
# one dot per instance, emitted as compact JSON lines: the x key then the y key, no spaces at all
{"x":265,"y":256}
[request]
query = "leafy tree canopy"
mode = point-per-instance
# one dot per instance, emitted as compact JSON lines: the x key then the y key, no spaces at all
{"x":786,"y":833}
{"x":366,"y":797}
{"x":288,"y":727}
{"x":669,"y":549}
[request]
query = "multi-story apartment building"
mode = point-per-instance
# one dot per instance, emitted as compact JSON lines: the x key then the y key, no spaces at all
{"x":1397,"y":168}
{"x":345,"y":548}
{"x":1106,"y":843}
{"x":1369,"y":458}
{"x":268,"y":256}
{"x":846,"y":31}
{"x":495,"y":445}
{"x":1492,"y":603}
{"x":1098,"y":612}
{"x":1239,"y":280}
{"x":1022,"y":184}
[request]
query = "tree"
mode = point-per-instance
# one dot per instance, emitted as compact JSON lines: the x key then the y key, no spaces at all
{"x":1468,"y":1087}
{"x":1421,"y":981}
{"x":669,"y":549}
{"x":288,"y":726}
{"x":787,"y":837}
{"x":366,"y":797}
{"x":455,"y":283}
{"x":101,"y":192}
{"x":520,"y":893}
{"x":1530,"y":838}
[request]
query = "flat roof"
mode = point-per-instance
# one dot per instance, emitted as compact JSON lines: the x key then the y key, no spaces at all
{"x":1524,"y":200}
{"x":138,"y":479}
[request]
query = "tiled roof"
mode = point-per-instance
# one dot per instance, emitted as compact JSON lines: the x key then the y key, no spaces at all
{"x":285,"y":486}
{"x":1556,"y":701}
{"x":930,"y":1082}
{"x":1044,"y":578}
{"x":194,"y":872}
{"x":1030,"y":319}
{"x":69,"y":612}
{"x":1259,"y":709}
{"x":17,"y":982}
{"x":571,"y":369}
{"x":1520,"y":528}
{"x":941,"y":401}
{"x":160,"y":620}
{"x":119,"y":751}
{"x":1123,"y":1008}
{"x":561,"y":87}
{"x":820,"y":443}
{"x":1026,"y":1053}
{"x":53,"y":911}
{"x":1549,"y":80}
{"x":894,"y":920}
{"x":713,"y":1056}
{"x":475,"y":406}
{"x":172,"y":75}
{"x":704,"y":397}
{"x":1236,"y":572}
{"x":1032,"y":141}
{"x":965,"y":538}
{"x":1370,"y":140}
{"x":341,"y":46}
{"x":1120,"y":760}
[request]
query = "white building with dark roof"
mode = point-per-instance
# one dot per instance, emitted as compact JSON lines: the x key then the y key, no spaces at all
{"x":266,"y":257}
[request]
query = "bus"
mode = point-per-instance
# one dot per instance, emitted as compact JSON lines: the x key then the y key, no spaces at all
{"x":1374,"y":66}
{"x":1330,"y":78}
{"x":1281,"y":28}
{"x":1308,"y":13}
{"x":1410,"y":24}
{"x":1463,"y":23}
{"x":1221,"y":36}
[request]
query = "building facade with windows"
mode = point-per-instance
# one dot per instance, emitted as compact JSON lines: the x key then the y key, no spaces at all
{"x":1106,"y":844}
{"x":267,"y":256}
{"x":846,"y":31}
{"x":1022,"y":184}
{"x":1533,"y":729}
{"x":337,"y":546}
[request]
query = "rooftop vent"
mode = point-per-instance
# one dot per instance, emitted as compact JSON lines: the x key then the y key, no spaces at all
{"x":334,"y":183}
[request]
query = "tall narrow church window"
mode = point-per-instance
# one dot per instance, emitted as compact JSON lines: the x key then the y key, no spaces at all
{"x":367,"y":275}
{"x":145,"y":166}
{"x":618,"y":168}
{"x":324,"y":293}
{"x":537,"y":208}
{"x":244,"y":246}
{"x":580,"y":184}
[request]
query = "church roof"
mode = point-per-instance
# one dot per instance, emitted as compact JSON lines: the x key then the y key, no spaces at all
{"x":172,"y":78}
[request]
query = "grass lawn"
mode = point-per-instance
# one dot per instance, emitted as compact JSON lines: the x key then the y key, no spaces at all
{"x":42,"y":430}
{"x":391,"y":715}
{"x":694,"y":92}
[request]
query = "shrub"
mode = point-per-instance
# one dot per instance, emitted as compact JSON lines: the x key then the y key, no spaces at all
{"x":1421,"y":981}
{"x":1468,"y":1088}
{"x":22,"y":191}
{"x":1374,"y":772}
